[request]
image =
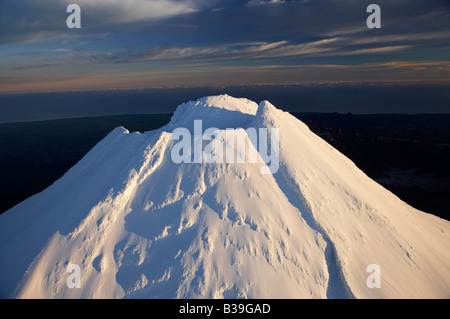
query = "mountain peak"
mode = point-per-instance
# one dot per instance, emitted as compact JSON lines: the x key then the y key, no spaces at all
{"x":228,"y":102}
{"x":221,"y":111}
{"x":138,"y":224}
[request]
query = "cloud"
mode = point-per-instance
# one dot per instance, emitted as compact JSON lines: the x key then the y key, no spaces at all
{"x":413,"y":37}
{"x":412,"y":65}
{"x":119,"y":11}
{"x":233,"y":52}
{"x":269,"y":2}
{"x":378,"y":50}
{"x":324,"y":47}
{"x":261,"y":50}
{"x":30,"y":21}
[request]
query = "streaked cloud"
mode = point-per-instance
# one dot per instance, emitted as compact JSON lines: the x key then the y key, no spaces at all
{"x":324,"y":47}
{"x":120,"y":11}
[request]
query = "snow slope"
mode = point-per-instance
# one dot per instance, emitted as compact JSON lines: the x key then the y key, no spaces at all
{"x":141,"y":226}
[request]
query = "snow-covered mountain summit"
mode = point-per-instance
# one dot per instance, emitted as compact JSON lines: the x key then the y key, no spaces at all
{"x":140,"y":225}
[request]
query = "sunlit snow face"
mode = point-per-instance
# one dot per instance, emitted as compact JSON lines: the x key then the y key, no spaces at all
{"x":227,"y":146}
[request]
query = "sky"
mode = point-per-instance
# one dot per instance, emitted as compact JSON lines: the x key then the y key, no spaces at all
{"x":175,"y":43}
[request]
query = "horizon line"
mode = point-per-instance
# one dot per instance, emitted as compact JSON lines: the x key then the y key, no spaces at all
{"x":223,"y":86}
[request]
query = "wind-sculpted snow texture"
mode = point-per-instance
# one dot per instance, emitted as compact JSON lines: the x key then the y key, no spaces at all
{"x":141,"y":226}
